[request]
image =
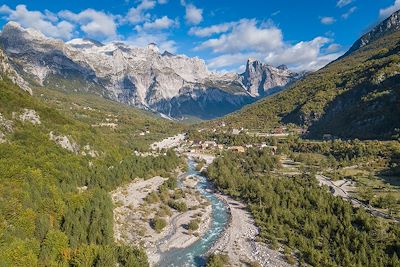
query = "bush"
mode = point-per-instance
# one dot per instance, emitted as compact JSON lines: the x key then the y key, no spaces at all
{"x":178,"y":205}
{"x":218,"y":260}
{"x":193,"y":225}
{"x":158,"y":224}
{"x":164,"y":211}
{"x":152,"y":198}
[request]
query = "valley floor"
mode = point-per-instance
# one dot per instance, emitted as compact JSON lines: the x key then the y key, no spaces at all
{"x":239,"y":240}
{"x":133,"y":215}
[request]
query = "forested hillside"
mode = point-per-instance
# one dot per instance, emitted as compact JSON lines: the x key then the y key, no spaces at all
{"x":357,"y":96}
{"x":57,"y":164}
{"x":311,"y":225}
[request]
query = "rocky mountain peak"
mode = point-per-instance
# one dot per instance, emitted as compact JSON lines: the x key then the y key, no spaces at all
{"x":283,"y":67}
{"x":262,"y":79}
{"x":167,"y":54}
{"x":13,"y":29}
{"x":153,"y":47}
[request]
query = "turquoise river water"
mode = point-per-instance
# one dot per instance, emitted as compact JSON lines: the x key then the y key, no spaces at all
{"x":194,"y":255}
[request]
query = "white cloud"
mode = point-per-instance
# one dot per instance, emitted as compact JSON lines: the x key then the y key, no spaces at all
{"x":342,"y":3}
{"x":248,"y":38}
{"x":246,"y":35}
{"x":228,"y":60}
{"x":299,"y":56}
{"x":51,"y":16}
{"x":158,"y":24}
{"x":48,"y":25}
{"x":333,"y":48}
{"x":95,"y":24}
{"x":349,"y":12}
{"x":193,"y":15}
{"x":213,"y":29}
{"x":328,"y":20}
{"x":142,"y":39}
{"x":138,"y":14}
{"x":386,"y":12}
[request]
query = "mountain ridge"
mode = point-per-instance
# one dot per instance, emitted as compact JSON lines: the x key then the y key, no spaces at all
{"x":141,"y":77}
{"x":390,"y":24}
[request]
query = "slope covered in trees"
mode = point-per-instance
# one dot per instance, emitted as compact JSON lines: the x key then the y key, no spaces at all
{"x":312,"y":225}
{"x":356,"y":96}
{"x":55,"y":209}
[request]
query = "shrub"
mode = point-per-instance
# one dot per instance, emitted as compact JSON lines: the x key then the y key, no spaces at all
{"x":158,"y":224}
{"x":178,"y":205}
{"x":218,"y":260}
{"x":193,"y":225}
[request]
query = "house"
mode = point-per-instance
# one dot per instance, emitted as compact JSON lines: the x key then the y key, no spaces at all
{"x":210,"y":143}
{"x":262,"y":145}
{"x":235,"y":131}
{"x":239,"y":149}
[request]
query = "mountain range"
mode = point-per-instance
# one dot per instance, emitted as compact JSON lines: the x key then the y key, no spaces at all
{"x":176,"y":86}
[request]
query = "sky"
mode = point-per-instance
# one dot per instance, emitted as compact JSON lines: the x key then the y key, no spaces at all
{"x":305,"y":35}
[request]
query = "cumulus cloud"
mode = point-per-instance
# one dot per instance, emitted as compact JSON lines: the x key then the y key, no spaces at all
{"x":158,"y":24}
{"x":193,"y":15}
{"x":229,"y":60}
{"x":47,"y":23}
{"x":333,"y":48}
{"x":386,"y":12}
{"x":211,"y":30}
{"x":246,"y":35}
{"x":95,"y":24}
{"x":298,"y":54}
{"x":342,"y":3}
{"x":349,"y":12}
{"x":138,"y":14}
{"x":328,"y":20}
{"x":264,"y":41}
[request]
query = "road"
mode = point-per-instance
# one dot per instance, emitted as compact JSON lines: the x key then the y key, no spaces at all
{"x":338,"y":191}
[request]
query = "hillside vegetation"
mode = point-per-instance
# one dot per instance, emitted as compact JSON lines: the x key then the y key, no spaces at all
{"x":55,"y":209}
{"x":295,"y":213}
{"x":355,"y":97}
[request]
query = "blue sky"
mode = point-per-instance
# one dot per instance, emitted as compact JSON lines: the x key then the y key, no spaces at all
{"x":302,"y":34}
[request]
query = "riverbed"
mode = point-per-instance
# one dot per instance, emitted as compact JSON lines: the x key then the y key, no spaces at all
{"x":194,"y":255}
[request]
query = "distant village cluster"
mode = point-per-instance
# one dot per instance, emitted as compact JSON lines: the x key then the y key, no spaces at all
{"x":196,"y":145}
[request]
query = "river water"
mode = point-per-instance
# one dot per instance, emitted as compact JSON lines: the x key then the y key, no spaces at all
{"x":194,"y":254}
